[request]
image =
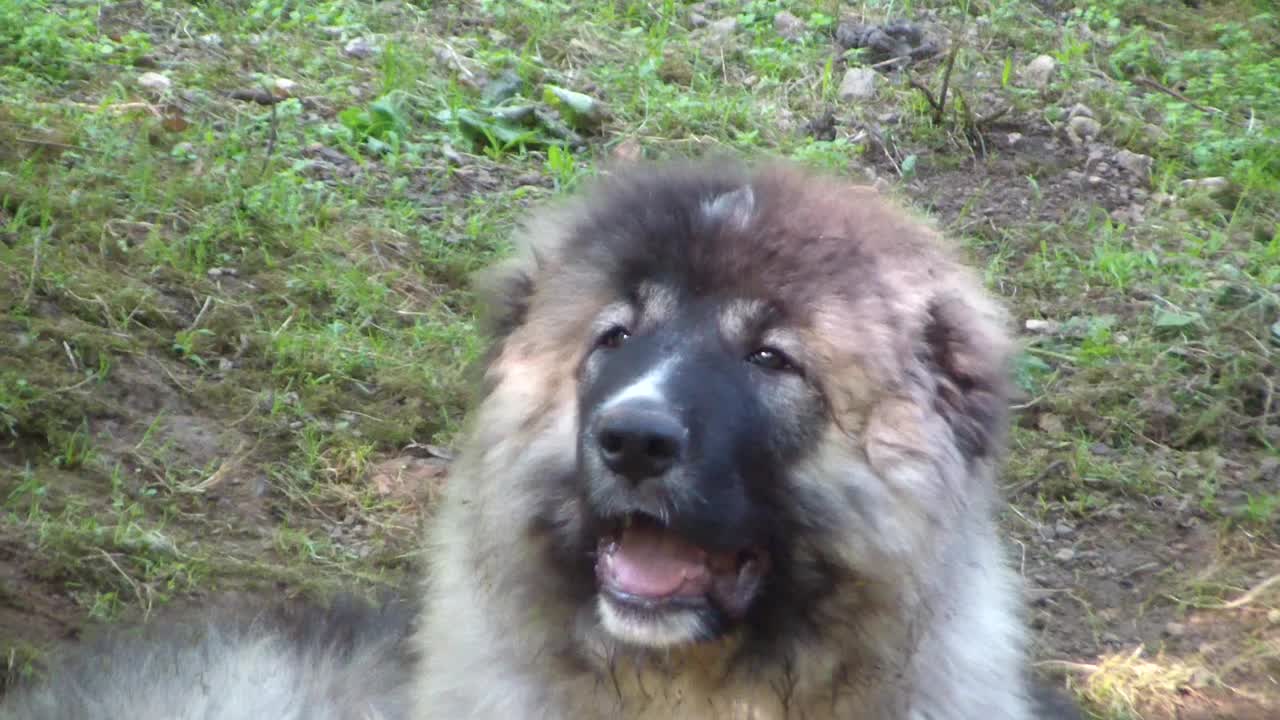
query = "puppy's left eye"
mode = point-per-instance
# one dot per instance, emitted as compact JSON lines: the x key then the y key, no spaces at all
{"x":771,"y":359}
{"x":613,"y":337}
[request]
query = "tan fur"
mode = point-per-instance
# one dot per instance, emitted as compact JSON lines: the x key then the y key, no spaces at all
{"x":930,"y":627}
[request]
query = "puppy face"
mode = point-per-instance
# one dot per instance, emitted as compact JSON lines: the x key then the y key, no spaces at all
{"x":691,"y":411}
{"x":732,"y":405}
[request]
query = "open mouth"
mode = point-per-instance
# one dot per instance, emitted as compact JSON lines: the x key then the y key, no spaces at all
{"x":644,"y":567}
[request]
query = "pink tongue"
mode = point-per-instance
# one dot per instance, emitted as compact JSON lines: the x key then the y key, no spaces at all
{"x":650,"y":562}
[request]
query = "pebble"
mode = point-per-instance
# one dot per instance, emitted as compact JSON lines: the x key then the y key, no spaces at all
{"x":858,"y":84}
{"x":1135,"y":163}
{"x":1038,"y":72}
{"x":723,"y":29}
{"x":359,"y":48}
{"x":1083,"y":128}
{"x":788,"y":26}
{"x":1043,"y":327}
{"x":1211,"y":185}
{"x":154,"y":81}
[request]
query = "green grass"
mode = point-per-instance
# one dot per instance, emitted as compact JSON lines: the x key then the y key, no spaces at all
{"x":220,"y":315}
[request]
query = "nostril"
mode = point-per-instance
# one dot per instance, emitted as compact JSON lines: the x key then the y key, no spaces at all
{"x":611,"y":442}
{"x":661,"y":448}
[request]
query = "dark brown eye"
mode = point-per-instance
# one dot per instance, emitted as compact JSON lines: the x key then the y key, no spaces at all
{"x":771,"y":359}
{"x":613,"y":337}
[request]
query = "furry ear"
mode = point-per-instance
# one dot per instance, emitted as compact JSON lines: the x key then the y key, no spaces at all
{"x":732,"y":208}
{"x":968,"y":351}
{"x":504,"y":293}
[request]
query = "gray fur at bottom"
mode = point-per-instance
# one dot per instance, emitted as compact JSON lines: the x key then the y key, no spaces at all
{"x":348,"y":661}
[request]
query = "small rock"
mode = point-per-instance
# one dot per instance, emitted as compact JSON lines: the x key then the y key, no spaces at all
{"x":788,"y":26}
{"x":677,"y":69}
{"x":359,"y":48}
{"x":211,"y":39}
{"x":1041,"y":597}
{"x":1038,"y":72}
{"x":1083,"y":128}
{"x":697,"y":20}
{"x":722,"y":29}
{"x":1094,"y":180}
{"x":1079,"y":110}
{"x":1135,"y":163}
{"x":1063,"y":530}
{"x":1273,"y":616}
{"x":262,"y":96}
{"x":452,"y":155}
{"x":1153,"y":134}
{"x":154,"y":82}
{"x":1052,"y":424}
{"x":284,"y":88}
{"x":1132,"y":215}
{"x":1100,"y":449}
{"x":628,"y":150}
{"x":1065,"y":555}
{"x":1211,"y":185}
{"x":1175,"y":629}
{"x":822,"y":127}
{"x":1162,"y":199}
{"x":506,"y":85}
{"x":1269,"y":470}
{"x":1013,"y":138}
{"x":786,"y":120}
{"x":899,"y":42}
{"x":858,"y":84}
{"x":1110,"y":638}
{"x":1043,"y":327}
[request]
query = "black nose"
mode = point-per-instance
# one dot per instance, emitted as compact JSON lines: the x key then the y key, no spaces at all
{"x":640,"y":440}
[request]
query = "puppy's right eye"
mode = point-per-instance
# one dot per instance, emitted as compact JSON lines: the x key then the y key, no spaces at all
{"x":613,"y":337}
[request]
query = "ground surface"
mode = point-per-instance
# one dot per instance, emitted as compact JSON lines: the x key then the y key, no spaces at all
{"x":234,"y":239}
